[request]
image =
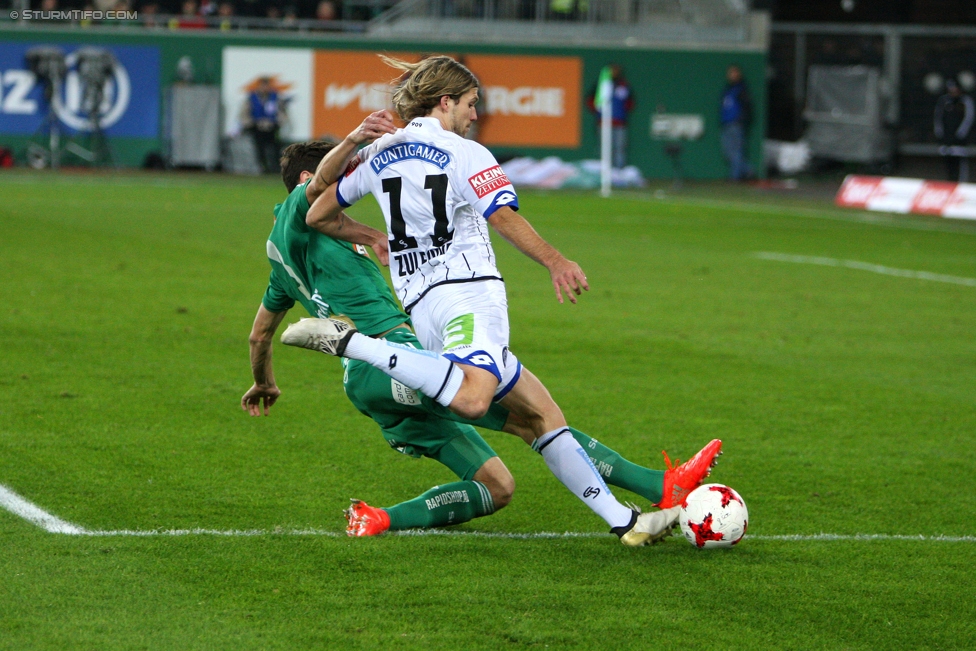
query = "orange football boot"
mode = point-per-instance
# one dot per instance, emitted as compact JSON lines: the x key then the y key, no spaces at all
{"x":365,"y":520}
{"x":681,"y":480}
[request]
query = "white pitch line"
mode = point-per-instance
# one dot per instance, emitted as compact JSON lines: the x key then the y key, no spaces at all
{"x":538,"y":535}
{"x":35,"y":514}
{"x":38,"y":516}
{"x":866,"y":266}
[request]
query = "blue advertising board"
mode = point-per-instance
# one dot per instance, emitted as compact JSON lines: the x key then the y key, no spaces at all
{"x":130,"y":104}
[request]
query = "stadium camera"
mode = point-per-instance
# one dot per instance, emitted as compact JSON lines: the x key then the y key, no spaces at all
{"x":49,"y":67}
{"x":95,"y":67}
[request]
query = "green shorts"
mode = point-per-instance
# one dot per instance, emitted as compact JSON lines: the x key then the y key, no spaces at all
{"x":413,"y":423}
{"x":457,"y":446}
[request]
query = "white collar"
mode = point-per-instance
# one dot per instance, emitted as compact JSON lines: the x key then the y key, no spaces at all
{"x":428,"y":121}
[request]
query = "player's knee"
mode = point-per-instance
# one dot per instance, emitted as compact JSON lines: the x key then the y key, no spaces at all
{"x":543,"y":418}
{"x":502,"y":490}
{"x":476,"y":393}
{"x":470,"y":404}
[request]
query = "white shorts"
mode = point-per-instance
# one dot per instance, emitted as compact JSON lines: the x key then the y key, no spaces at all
{"x":468,"y":324}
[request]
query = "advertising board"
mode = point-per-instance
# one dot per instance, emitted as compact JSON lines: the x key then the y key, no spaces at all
{"x":130,"y":97}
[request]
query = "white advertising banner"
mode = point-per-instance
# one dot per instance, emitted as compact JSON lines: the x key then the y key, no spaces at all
{"x":290,"y":71}
{"x":962,"y":203}
{"x":892,"y":194}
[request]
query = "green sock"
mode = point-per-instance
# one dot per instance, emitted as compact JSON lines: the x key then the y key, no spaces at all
{"x":441,"y":505}
{"x":619,"y":472}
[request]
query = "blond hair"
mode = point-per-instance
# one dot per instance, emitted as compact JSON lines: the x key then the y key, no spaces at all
{"x":420,"y":89}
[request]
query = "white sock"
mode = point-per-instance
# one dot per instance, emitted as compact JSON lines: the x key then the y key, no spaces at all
{"x":421,"y":370}
{"x":572,"y":466}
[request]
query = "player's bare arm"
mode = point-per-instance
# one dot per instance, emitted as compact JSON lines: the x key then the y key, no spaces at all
{"x":375,"y":125}
{"x":566,"y":274}
{"x":326,"y":216}
{"x":264,"y":388}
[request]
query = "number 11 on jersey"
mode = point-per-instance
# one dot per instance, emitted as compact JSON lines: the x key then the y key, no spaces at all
{"x":400,"y":241}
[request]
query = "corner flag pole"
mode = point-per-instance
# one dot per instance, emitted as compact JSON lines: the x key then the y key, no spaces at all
{"x":604,"y":95}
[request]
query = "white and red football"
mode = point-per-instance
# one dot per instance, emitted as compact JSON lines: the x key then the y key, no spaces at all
{"x":713,"y":515}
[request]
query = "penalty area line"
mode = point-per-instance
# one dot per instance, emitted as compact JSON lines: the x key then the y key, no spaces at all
{"x":37,"y":516}
{"x":865,"y":266}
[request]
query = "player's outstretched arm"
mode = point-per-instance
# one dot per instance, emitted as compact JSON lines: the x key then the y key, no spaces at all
{"x":332,"y":164}
{"x":264,"y":388}
{"x":326,"y":216}
{"x":566,"y":274}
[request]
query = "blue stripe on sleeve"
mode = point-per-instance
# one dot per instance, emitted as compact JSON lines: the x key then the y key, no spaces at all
{"x":503,"y":198}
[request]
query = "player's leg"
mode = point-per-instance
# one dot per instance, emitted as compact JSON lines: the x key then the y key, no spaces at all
{"x":618,"y":471}
{"x":664,"y":488}
{"x":469,"y":323}
{"x":466,"y":389}
{"x":486,"y":484}
{"x":612,"y":466}
{"x":531,"y":401}
{"x":615,"y":469}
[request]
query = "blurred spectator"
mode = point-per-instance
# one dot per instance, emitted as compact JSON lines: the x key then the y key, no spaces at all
{"x":49,"y":5}
{"x":290,"y":18}
{"x":226,"y":12}
{"x":735,"y":115}
{"x":273,"y":12}
{"x":326,"y":10}
{"x":262,"y":115}
{"x":207,"y":8}
{"x":87,"y":22}
{"x":148,"y":13}
{"x":621,"y":104}
{"x":189,"y":18}
{"x":954,"y":116}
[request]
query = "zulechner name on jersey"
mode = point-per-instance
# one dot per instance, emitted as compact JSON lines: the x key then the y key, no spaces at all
{"x":409,"y":151}
{"x":487,"y":181}
{"x":408,"y":263}
{"x":450,"y":497}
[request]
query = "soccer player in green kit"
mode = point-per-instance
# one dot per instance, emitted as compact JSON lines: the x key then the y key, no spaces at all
{"x":328,"y":277}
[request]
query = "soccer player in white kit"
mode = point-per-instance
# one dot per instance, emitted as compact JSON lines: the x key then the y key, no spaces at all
{"x":439,"y":192}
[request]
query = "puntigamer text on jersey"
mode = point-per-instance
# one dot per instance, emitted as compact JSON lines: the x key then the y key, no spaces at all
{"x":407,"y":151}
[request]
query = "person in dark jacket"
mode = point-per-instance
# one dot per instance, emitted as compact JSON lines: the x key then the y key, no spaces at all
{"x":262,"y":116}
{"x":954,"y":115}
{"x":621,"y":104}
{"x":735,"y":115}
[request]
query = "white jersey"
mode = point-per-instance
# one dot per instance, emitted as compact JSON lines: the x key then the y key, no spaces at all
{"x":437,"y":191}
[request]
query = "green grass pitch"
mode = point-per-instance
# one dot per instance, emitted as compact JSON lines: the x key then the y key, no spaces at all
{"x":846,"y":400}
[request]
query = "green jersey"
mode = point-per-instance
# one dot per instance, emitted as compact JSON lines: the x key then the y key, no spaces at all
{"x":325,"y":275}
